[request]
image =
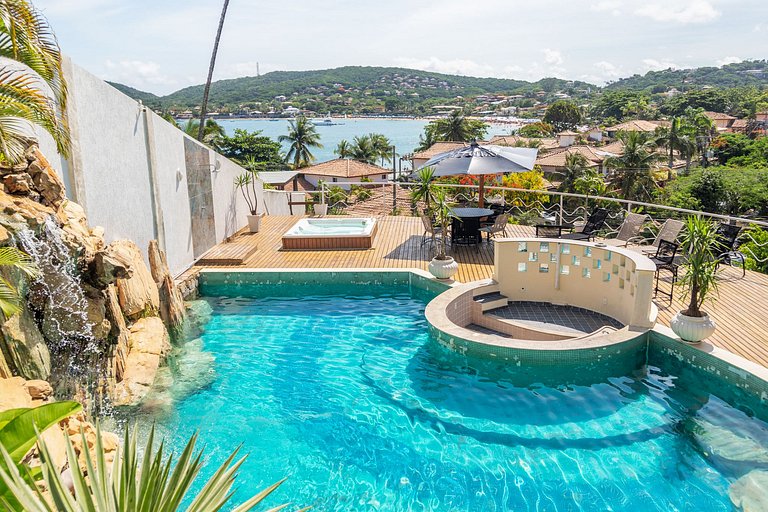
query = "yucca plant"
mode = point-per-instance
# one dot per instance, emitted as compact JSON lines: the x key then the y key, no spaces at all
{"x":701,"y":248}
{"x":10,"y":302}
{"x":26,"y":37}
{"x":152,"y":482}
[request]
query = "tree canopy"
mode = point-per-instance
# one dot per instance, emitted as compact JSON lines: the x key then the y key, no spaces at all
{"x":244,"y":146}
{"x":563,"y":115}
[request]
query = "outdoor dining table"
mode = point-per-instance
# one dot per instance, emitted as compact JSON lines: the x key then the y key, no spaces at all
{"x":465,"y":228}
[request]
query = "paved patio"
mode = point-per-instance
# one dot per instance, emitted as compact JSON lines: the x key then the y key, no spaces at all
{"x":741,"y":310}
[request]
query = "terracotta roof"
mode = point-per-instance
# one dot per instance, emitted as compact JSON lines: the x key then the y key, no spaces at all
{"x":616,"y":147}
{"x":437,"y":148}
{"x":557,"y":158}
{"x":740,"y":123}
{"x":715,"y":116}
{"x":344,"y":168}
{"x":513,"y":140}
{"x":636,"y":125}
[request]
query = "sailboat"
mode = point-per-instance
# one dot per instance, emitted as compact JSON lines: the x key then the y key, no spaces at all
{"x":326,"y":121}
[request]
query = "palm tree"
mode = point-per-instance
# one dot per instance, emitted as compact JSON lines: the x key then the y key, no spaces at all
{"x":26,"y":37}
{"x":382,"y":146}
{"x":204,"y":105}
{"x":11,"y":257}
{"x":576,"y":165}
{"x":343,"y":149}
{"x":633,"y":166}
{"x":211,"y":134}
{"x":458,"y":128}
{"x":302,"y":135}
{"x":671,"y":138}
{"x":363,"y":149}
{"x":424,"y":188}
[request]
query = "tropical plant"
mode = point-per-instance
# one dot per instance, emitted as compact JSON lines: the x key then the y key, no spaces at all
{"x":302,"y":136}
{"x":19,"y":429}
{"x":343,"y":149}
{"x":576,"y":165}
{"x":11,"y":257}
{"x":245,"y":145}
{"x":212,"y":133}
{"x":671,"y":137}
{"x":455,"y":128}
{"x":756,"y":249}
{"x":363,"y":150}
{"x":26,"y":37}
{"x":246,"y":183}
{"x":137,"y":480}
{"x":382,"y":147}
{"x":632,"y":169}
{"x":207,"y":89}
{"x":528,"y":180}
{"x":538,"y":130}
{"x":424,"y":188}
{"x":701,"y":247}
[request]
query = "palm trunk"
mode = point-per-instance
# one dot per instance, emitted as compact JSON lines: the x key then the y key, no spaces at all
{"x":204,"y":106}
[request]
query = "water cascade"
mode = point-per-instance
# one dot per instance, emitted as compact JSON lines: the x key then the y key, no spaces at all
{"x":59,"y":302}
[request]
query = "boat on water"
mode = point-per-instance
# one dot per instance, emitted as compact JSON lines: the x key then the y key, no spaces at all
{"x":326,"y":121}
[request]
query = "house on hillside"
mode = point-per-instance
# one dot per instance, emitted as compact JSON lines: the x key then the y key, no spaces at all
{"x":343,"y":169}
{"x":554,"y":162}
{"x":567,"y":138}
{"x":722,"y":122}
{"x":635,"y":125}
{"x":292,"y":181}
{"x":594,"y":134}
{"x":544,"y":144}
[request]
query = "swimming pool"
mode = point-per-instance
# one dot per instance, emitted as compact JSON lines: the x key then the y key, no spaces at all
{"x":347,"y":395}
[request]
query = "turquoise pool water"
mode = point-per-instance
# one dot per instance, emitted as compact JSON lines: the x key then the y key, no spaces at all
{"x":349,"y":398}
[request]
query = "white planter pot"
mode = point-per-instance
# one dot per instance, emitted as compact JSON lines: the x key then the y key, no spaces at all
{"x":254,"y":222}
{"x":443,"y":269}
{"x":692,"y":329}
{"x":321,"y":209}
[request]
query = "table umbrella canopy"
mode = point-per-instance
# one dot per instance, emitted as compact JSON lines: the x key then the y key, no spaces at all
{"x":480,"y":160}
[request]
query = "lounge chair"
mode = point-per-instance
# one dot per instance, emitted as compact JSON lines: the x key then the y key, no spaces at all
{"x":728,"y":235}
{"x":588,"y":231}
{"x":498,"y":226}
{"x":429,"y":229}
{"x":665,"y":260}
{"x":669,"y":232}
{"x":628,"y":231}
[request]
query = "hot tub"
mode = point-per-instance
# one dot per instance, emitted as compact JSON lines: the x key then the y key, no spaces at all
{"x":331,"y":233}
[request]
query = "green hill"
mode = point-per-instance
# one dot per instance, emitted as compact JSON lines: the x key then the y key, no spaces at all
{"x":742,"y":74}
{"x":149,"y":99}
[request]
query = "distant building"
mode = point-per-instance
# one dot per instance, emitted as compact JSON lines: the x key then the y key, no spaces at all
{"x":722,"y":121}
{"x":594,"y":133}
{"x":343,"y":169}
{"x":636,"y":125}
{"x":566,"y":138}
{"x":420,"y":158}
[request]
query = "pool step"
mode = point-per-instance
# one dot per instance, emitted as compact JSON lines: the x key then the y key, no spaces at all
{"x":491,"y":300}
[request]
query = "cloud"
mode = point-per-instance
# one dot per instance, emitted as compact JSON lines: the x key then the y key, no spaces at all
{"x":728,"y":60}
{"x":452,"y":66}
{"x":611,"y":6}
{"x":658,"y":65}
{"x":679,"y":11}
{"x":137,"y":73}
{"x":552,"y":57}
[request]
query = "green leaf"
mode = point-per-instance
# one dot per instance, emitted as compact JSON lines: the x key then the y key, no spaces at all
{"x":19,"y":435}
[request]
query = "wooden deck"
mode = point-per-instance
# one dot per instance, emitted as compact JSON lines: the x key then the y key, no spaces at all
{"x":741,"y":310}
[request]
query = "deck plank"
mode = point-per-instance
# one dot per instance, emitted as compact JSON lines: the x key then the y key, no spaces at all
{"x":740,"y":309}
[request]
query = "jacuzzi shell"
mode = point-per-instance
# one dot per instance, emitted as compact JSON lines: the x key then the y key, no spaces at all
{"x":307,"y":234}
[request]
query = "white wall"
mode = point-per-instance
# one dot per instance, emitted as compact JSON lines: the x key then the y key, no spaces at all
{"x":131,"y":184}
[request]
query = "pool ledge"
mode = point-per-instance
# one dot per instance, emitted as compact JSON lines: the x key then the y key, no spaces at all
{"x":450,"y":312}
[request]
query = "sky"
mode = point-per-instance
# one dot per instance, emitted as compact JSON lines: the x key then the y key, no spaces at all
{"x":164,"y":45}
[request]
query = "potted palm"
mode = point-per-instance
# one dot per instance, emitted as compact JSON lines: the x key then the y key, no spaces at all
{"x":246,"y":182}
{"x":701,"y":248}
{"x":442,"y":266}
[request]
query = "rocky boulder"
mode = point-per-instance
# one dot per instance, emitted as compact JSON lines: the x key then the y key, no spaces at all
{"x":138,"y":295}
{"x":108,"y":266}
{"x":149,"y":344}
{"x":79,"y":235}
{"x":172,"y":309}
{"x":24,"y":346}
{"x":47,"y":182}
{"x":18,"y":183}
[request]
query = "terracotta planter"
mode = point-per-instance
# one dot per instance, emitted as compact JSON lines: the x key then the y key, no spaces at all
{"x":321,"y":209}
{"x":443,"y":269}
{"x":691,"y":328}
{"x":254,"y":222}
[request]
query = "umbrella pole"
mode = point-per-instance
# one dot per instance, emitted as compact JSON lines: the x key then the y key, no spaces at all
{"x":481,"y":192}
